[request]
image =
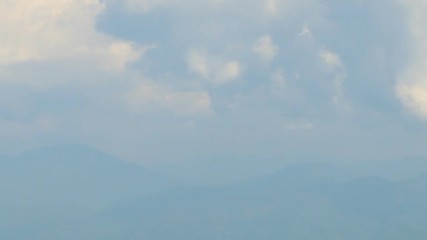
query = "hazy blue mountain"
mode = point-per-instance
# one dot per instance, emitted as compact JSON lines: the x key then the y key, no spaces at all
{"x":395,"y":169}
{"x":68,"y":181}
{"x":221,"y":168}
{"x":300,"y":202}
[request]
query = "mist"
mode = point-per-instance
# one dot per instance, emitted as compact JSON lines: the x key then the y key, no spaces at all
{"x":185,"y":119}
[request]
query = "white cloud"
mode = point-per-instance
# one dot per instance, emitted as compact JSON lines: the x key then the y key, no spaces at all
{"x":122,"y":53}
{"x":229,"y":71}
{"x":47,"y":30}
{"x":266,"y":48}
{"x":198,"y":63}
{"x":414,"y":97}
{"x":412,"y":83}
{"x":306,"y":31}
{"x":331,"y":59}
{"x":216,"y":70}
{"x":148,"y":96}
{"x":272,"y":7}
{"x":334,"y":65}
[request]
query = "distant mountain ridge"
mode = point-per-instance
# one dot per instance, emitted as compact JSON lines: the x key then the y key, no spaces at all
{"x":77,"y":192}
{"x":301,"y":202}
{"x":69,"y":181}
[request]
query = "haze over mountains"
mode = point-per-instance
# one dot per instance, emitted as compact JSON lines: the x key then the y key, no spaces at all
{"x":77,"y":192}
{"x":69,"y":181}
{"x":271,"y":208}
{"x":213,"y":119}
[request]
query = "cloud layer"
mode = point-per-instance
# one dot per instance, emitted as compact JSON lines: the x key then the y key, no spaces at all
{"x":199,"y":77}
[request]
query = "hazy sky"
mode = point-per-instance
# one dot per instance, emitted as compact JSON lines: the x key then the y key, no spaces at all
{"x":167,"y":80}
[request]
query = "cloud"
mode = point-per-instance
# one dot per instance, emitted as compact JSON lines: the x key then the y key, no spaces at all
{"x":331,"y":59}
{"x":306,"y":31}
{"x":144,"y":6}
{"x":150,"y":96}
{"x":229,"y":71}
{"x":414,"y":97}
{"x":266,"y":48}
{"x":214,"y":69}
{"x":210,"y":59}
{"x":269,"y":7}
{"x":334,"y":65}
{"x":197,"y":63}
{"x":412,"y":82}
{"x":49,"y":30}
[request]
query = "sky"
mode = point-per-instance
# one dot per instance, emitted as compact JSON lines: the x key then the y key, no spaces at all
{"x":166,"y":81}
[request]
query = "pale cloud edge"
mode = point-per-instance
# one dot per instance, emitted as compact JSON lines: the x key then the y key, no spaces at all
{"x":412,"y":84}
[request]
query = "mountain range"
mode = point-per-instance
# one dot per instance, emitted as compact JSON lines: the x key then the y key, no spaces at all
{"x":73,"y":192}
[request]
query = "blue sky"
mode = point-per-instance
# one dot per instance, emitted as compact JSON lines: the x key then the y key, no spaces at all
{"x":158,"y":81}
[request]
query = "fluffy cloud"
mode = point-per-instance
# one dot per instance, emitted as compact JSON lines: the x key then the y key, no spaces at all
{"x":414,"y":96}
{"x":229,"y":71}
{"x":331,"y":59}
{"x":213,"y":69}
{"x":198,"y":64}
{"x":48,"y":30}
{"x":412,"y":84}
{"x":266,"y":48}
{"x":334,"y":65}
{"x":271,"y":7}
{"x":305,"y":31}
